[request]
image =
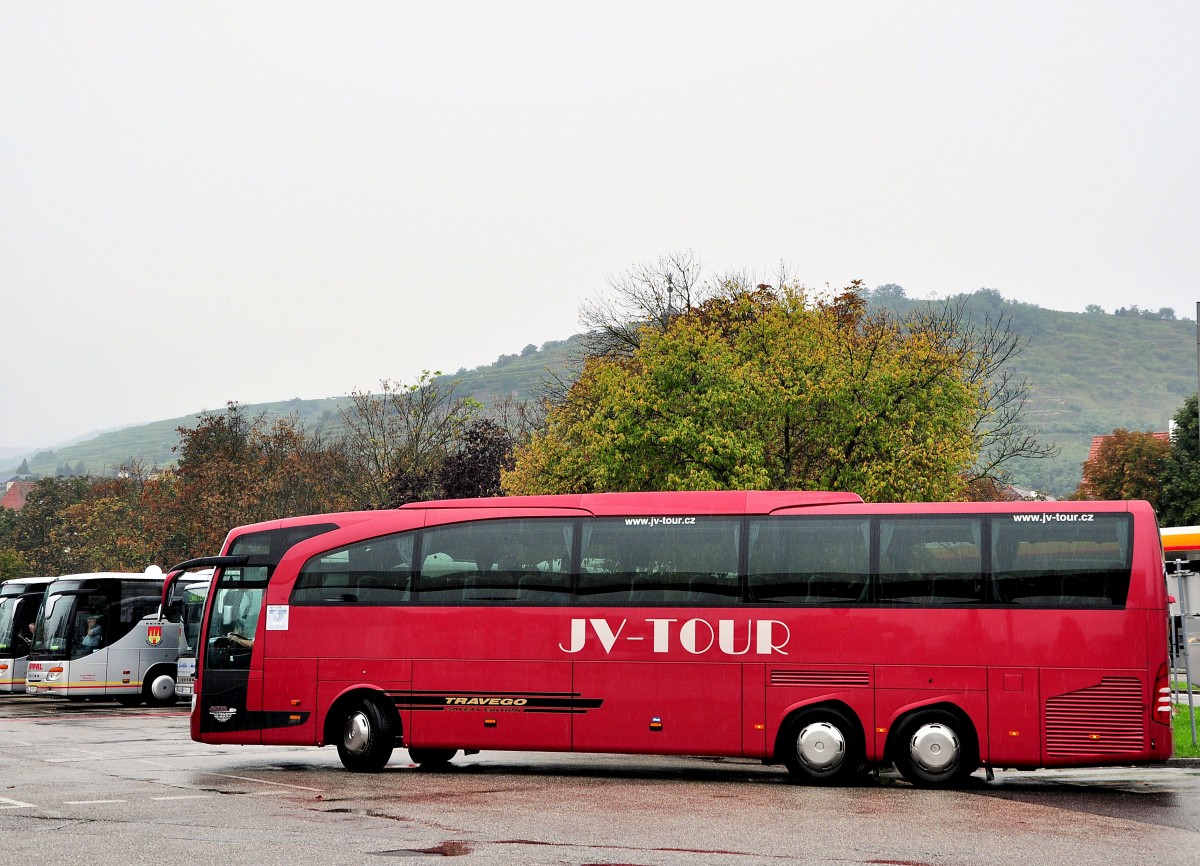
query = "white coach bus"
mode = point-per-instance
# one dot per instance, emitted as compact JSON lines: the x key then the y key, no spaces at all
{"x":20,"y":601}
{"x":101,"y":635}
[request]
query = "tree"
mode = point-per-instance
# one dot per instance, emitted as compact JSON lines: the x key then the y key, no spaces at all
{"x":40,"y":533}
{"x":235,"y":470}
{"x":105,"y":531}
{"x":1127,"y":465}
{"x":474,"y":469}
{"x":13,"y":564}
{"x":770,"y":388}
{"x":983,"y":344}
{"x":397,"y":438}
{"x":1179,"y":503}
{"x":644,"y":297}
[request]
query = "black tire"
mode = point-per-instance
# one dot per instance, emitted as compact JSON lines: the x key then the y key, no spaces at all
{"x":823,"y":746}
{"x":368,"y":736}
{"x":432,"y":757}
{"x":936,"y":749}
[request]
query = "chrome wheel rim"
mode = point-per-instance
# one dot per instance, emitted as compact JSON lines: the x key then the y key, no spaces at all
{"x":934,"y":747}
{"x":356,"y":736}
{"x":820,"y":746}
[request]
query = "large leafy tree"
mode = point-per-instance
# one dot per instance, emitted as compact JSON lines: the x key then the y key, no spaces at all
{"x":1128,"y":464}
{"x":233,"y":470}
{"x":768,"y":388}
{"x":1179,"y":503}
{"x":40,"y":534}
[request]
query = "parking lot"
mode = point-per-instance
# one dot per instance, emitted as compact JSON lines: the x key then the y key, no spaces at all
{"x":83,"y":778}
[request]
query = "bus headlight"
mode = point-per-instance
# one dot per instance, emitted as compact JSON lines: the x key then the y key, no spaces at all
{"x":54,"y":673}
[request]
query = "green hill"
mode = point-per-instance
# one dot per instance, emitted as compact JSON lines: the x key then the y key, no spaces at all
{"x":516,"y":375}
{"x":1091,"y":373}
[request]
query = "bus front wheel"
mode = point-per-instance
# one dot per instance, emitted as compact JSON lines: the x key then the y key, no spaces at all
{"x":822,"y":746}
{"x":368,"y":736}
{"x":159,"y":689}
{"x":936,"y":749}
{"x":432,"y":757}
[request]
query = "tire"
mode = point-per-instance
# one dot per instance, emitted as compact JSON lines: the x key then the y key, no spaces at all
{"x":367,"y":739}
{"x":158,"y":689}
{"x":936,"y":749}
{"x":432,"y":757}
{"x":822,"y":746}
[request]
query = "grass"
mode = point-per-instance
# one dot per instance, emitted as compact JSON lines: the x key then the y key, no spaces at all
{"x":1182,"y":724}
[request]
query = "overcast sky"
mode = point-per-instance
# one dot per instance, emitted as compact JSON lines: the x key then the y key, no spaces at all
{"x":257,"y":201}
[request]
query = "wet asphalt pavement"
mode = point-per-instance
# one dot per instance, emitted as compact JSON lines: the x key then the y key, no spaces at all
{"x":80,"y":779}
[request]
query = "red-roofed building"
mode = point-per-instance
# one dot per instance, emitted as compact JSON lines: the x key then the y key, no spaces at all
{"x":15,"y":493}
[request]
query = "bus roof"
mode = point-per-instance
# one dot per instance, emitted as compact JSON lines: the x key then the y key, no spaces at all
{"x":689,"y":502}
{"x":13,"y":585}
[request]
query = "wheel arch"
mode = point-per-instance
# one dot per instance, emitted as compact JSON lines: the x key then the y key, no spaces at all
{"x":157,"y":670}
{"x":902,"y":715}
{"x":336,"y":715}
{"x":792,"y":711}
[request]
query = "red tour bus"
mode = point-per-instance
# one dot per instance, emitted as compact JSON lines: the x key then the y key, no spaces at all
{"x":808,"y":629}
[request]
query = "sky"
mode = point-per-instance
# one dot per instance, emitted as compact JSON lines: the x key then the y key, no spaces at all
{"x":258,"y":201}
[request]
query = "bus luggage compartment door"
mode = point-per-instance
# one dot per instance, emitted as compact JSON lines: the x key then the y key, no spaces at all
{"x":491,"y":705}
{"x":1014,"y":719}
{"x":667,"y":708}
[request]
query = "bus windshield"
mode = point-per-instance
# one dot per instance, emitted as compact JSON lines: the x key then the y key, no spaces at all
{"x":10,"y":638}
{"x":191,"y":614}
{"x":235,"y":610}
{"x":239,"y":590}
{"x":64,"y":624}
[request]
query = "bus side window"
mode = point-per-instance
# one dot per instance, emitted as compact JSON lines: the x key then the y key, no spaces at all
{"x":806,"y":560}
{"x":1071,"y":564}
{"x":372,"y":572}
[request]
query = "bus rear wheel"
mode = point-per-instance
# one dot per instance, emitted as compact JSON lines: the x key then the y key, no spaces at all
{"x":432,"y":757}
{"x":368,"y":737}
{"x":936,"y":749}
{"x":823,"y":746}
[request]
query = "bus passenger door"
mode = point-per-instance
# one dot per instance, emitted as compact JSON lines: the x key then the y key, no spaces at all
{"x":485,"y":704}
{"x":230,"y":708}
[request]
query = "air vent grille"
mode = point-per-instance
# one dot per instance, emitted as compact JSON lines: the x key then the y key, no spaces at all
{"x":832,"y":679}
{"x":1106,"y":719}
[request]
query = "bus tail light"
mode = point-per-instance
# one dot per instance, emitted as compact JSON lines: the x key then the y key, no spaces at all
{"x":54,"y":673}
{"x":1162,"y":692}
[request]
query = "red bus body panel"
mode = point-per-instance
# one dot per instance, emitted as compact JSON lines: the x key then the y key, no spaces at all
{"x":1042,"y":687}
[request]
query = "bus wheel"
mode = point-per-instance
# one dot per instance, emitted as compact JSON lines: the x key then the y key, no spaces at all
{"x":368,"y":737}
{"x":432,"y":757}
{"x":822,"y":746}
{"x":936,"y":749}
{"x":159,"y":689}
